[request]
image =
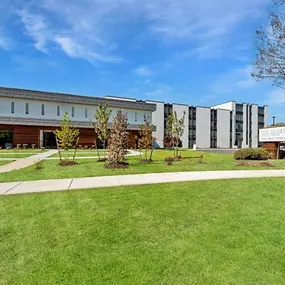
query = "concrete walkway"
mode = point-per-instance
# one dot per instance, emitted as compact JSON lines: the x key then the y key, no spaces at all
{"x":25,"y":162}
{"x":134,"y":179}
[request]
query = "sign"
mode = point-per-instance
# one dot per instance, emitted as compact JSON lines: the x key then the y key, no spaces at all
{"x":272,"y":135}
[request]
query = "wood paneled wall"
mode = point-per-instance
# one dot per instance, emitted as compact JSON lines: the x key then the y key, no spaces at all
{"x":31,"y":135}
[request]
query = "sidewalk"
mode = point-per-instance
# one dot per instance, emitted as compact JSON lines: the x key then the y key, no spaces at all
{"x":134,"y":179}
{"x":25,"y":162}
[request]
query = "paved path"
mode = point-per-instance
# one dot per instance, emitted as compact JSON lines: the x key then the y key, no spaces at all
{"x":134,"y":179}
{"x":25,"y":162}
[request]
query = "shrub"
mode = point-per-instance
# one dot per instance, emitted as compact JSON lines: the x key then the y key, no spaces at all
{"x":170,"y":142}
{"x":251,"y":154}
{"x":25,"y":146}
{"x":169,"y":160}
{"x":33,"y":146}
{"x":18,"y":146}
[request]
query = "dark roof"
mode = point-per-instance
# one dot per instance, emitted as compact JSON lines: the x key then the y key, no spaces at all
{"x":76,"y":99}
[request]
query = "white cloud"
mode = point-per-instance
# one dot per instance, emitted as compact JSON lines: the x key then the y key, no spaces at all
{"x":74,"y":49}
{"x":143,"y":71}
{"x":98,"y":25}
{"x":5,"y":43}
{"x":36,"y":28}
{"x":276,"y":96}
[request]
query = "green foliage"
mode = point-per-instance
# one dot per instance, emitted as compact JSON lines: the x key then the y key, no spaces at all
{"x":175,"y":129}
{"x":118,"y":141}
{"x":100,"y":123}
{"x":67,"y":136}
{"x":251,"y":154}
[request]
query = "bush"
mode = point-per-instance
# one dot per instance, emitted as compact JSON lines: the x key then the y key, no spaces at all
{"x":33,"y":146}
{"x":169,"y":160}
{"x":251,"y":154}
{"x":18,"y":146}
{"x":169,"y":140}
{"x":25,"y":146}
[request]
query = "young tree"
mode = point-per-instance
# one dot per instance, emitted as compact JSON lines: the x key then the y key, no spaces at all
{"x":270,"y":59}
{"x":146,"y":138}
{"x":175,"y":129}
{"x":67,"y":137}
{"x":118,"y":140}
{"x":100,"y":124}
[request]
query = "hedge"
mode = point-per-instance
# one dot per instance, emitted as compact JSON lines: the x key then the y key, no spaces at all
{"x":251,"y":154}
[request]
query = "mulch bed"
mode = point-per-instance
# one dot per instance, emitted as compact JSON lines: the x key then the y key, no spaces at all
{"x":119,"y":165}
{"x":67,"y":163}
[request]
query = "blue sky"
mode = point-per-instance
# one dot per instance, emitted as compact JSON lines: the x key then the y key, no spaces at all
{"x":184,"y":51}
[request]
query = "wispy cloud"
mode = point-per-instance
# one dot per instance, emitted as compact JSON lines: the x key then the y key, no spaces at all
{"x":36,"y":27}
{"x":143,"y":71}
{"x":276,"y":97}
{"x":74,"y":49}
{"x":99,"y":25}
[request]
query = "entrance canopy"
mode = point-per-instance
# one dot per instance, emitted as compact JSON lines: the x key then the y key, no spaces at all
{"x":272,"y":134}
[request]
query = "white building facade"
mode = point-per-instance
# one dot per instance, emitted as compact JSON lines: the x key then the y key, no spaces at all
{"x":228,"y":125}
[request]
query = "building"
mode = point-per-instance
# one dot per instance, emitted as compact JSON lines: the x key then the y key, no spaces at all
{"x":30,"y":117}
{"x":223,"y":126}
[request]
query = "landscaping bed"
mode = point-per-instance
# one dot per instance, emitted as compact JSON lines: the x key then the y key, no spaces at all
{"x":90,"y":167}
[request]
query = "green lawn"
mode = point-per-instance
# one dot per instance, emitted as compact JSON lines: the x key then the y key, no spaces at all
{"x":3,"y":162}
{"x":90,"y":167}
{"x":82,"y":153}
{"x":14,"y":153}
{"x":212,"y":232}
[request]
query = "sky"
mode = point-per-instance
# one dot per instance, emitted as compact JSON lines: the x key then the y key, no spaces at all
{"x":184,"y":51}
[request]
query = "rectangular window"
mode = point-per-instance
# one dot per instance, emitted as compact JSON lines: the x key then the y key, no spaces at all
{"x":136,"y":116}
{"x":72,"y":112}
{"x":27,"y":108}
{"x":43,"y":109}
{"x":86,"y":113}
{"x":58,"y":111}
{"x":12,"y":107}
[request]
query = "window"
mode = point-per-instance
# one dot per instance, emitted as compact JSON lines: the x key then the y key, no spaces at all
{"x":43,"y":109}
{"x":27,"y":108}
{"x":72,"y":112}
{"x":136,"y":116}
{"x":12,"y":107}
{"x":86,"y":113}
{"x":58,"y":111}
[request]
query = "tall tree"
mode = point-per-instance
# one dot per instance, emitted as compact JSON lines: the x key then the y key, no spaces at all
{"x":67,"y":137}
{"x":269,"y":63}
{"x":175,"y":128}
{"x":100,"y":124}
{"x":118,"y":141}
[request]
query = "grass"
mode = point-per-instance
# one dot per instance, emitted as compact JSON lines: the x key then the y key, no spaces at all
{"x":14,"y":153}
{"x":211,"y":232}
{"x":3,"y":162}
{"x":82,"y":153}
{"x":90,"y":167}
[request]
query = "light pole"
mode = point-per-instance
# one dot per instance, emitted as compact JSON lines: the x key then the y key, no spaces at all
{"x":273,"y":120}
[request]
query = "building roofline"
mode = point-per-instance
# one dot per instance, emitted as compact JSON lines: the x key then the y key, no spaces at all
{"x":71,"y":98}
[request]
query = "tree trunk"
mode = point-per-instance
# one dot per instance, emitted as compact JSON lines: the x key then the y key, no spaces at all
{"x":58,"y":148}
{"x":74,"y":154}
{"x":95,"y":142}
{"x":150,"y":157}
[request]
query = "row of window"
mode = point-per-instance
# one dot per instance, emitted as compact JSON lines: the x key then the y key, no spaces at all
{"x":27,"y":110}
{"x":58,"y":111}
